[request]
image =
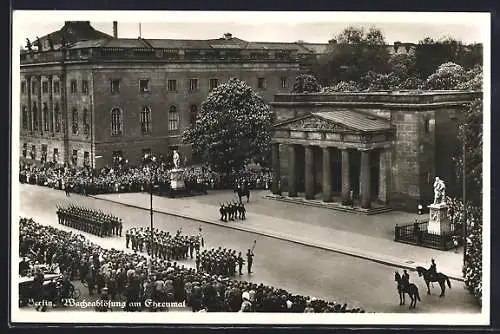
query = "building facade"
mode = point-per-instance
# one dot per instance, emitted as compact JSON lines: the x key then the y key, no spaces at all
{"x":87,"y":97}
{"x":90,"y":100}
{"x":378,"y":148}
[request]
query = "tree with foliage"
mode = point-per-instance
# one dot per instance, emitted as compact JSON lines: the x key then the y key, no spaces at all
{"x":472,"y":79}
{"x":473,"y":267}
{"x":354,"y":52}
{"x":470,"y":134}
{"x":403,"y":65}
{"x":306,"y":83}
{"x":342,"y":86}
{"x":447,"y":76}
{"x":472,"y":270}
{"x":372,"y":81}
{"x":232,"y":128}
{"x":412,"y":83}
{"x":431,"y":53}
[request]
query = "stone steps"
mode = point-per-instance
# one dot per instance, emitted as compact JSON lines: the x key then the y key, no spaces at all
{"x":331,"y":206}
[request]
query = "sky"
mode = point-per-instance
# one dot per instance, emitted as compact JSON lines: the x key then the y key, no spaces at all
{"x":315,"y":27}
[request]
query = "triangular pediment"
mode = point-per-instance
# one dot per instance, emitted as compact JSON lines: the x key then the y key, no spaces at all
{"x":313,"y":123}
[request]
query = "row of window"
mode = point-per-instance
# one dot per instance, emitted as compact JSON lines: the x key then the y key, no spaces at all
{"x":75,"y":124}
{"x":45,"y":87}
{"x":192,"y":85}
{"x":55,"y":155}
{"x":146,"y":120}
{"x":56,"y":87}
{"x":144,"y":85}
{"x":116,"y":119}
{"x":32,"y":121}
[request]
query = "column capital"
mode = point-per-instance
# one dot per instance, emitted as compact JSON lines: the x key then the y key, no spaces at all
{"x":362,"y":149}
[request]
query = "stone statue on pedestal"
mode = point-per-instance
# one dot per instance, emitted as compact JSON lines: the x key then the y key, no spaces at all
{"x":177,"y":174}
{"x":438,"y":211}
{"x":439,"y":191}
{"x":176,"y":159}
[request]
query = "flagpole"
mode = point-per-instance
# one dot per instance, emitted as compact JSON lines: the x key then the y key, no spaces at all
{"x":140,"y":30}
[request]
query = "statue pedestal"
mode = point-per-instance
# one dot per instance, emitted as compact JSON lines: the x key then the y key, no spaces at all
{"x":439,"y":223}
{"x":177,"y":179}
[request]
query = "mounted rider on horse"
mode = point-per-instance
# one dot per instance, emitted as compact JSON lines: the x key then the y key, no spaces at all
{"x":242,"y":188}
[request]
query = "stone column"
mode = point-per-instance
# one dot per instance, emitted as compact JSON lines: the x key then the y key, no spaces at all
{"x":309,"y":172}
{"x":364,"y":180}
{"x":346,"y":181}
{"x":292,"y":171}
{"x":39,"y":103}
{"x":385,"y":175}
{"x":275,"y":156}
{"x":51,"y":105}
{"x":30,"y":105}
{"x":327,"y":174}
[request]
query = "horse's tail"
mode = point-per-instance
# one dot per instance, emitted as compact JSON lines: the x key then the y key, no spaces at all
{"x":448,"y":281}
{"x":416,"y":293}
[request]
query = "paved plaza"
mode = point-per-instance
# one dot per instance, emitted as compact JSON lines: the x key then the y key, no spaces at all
{"x":313,"y":271}
{"x":367,"y":237}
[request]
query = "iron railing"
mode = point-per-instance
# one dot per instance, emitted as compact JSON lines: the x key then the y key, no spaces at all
{"x":416,"y":234}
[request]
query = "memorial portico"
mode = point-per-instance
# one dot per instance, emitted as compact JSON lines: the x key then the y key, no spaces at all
{"x":333,"y":153}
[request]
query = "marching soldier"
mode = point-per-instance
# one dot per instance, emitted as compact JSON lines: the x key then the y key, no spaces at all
{"x":242,"y":211}
{"x":250,"y":256}
{"x":127,"y":238}
{"x":223,"y":213}
{"x":240,"y":263}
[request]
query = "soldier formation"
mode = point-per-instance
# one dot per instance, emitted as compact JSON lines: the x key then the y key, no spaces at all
{"x":218,"y":261}
{"x":90,"y":221}
{"x":165,"y":245}
{"x":232,"y":211}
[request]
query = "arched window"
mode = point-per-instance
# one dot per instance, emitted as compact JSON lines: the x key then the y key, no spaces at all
{"x":74,"y":121}
{"x":57,"y":116}
{"x":25,"y":117}
{"x":35,"y":116}
{"x":193,"y":112}
{"x":116,"y":122}
{"x":45,"y":113}
{"x":146,"y":119}
{"x":86,"y":124}
{"x":173,"y":119}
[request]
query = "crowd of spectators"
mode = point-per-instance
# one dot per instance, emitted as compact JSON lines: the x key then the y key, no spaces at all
{"x":125,"y":178}
{"x":133,"y":277}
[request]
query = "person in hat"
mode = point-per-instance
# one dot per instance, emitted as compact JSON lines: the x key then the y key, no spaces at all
{"x":246,"y":305}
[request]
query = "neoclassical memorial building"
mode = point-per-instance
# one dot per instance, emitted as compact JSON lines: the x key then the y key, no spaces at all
{"x":381,"y":149}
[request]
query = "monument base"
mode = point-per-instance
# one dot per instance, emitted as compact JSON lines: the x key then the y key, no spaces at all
{"x":177,"y":179}
{"x":439,"y":223}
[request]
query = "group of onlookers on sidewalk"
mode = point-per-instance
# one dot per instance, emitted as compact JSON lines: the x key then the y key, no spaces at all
{"x":135,"y":278}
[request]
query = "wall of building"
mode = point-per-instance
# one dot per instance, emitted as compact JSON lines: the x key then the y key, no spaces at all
{"x":425,"y":139}
{"x":159,"y":99}
{"x":448,"y":147}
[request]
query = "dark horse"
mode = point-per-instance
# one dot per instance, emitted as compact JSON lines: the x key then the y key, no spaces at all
{"x":243,"y":190}
{"x":411,"y":289}
{"x":440,"y":278}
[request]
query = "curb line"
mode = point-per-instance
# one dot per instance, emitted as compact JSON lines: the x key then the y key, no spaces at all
{"x":339,"y":250}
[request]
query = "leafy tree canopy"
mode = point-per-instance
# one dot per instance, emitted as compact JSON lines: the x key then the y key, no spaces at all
{"x":306,"y":83}
{"x":232,"y":128}
{"x":355,"y":52}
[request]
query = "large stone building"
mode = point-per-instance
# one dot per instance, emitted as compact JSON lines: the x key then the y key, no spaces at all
{"x":385,"y":147}
{"x":86,"y":94}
